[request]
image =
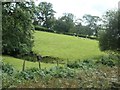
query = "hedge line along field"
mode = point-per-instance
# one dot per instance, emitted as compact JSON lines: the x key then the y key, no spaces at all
{"x":64,"y":46}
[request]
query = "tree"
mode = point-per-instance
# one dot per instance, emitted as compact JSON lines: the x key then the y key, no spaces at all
{"x":92,"y":23}
{"x":110,"y":37}
{"x":45,"y":14}
{"x":17,"y":28}
{"x":78,"y":26}
{"x":82,"y":29}
{"x":65,"y":24}
{"x":60,"y":26}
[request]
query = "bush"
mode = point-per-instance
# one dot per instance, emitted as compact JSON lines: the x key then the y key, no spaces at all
{"x":106,"y":60}
{"x":61,"y":72}
{"x":103,"y":41}
{"x":74,"y":65}
{"x":7,"y":68}
{"x":27,"y":74}
{"x":109,"y":39}
{"x":84,"y":64}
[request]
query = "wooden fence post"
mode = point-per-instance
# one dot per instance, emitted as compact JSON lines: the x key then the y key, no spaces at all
{"x":23,"y":66}
{"x":118,"y":68}
{"x":39,"y":65}
{"x":57,"y":63}
{"x":67,"y":61}
{"x":39,"y":58}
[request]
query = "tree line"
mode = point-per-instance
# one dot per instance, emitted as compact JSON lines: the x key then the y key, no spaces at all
{"x":66,"y":24}
{"x":20,"y":19}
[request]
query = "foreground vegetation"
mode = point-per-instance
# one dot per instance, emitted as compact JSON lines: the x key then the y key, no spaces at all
{"x":102,"y":73}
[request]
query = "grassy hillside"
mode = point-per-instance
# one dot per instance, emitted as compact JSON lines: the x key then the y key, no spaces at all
{"x":61,"y":46}
{"x":65,"y":47}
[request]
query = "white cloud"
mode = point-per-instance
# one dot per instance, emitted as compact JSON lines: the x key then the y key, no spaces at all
{"x":81,"y":7}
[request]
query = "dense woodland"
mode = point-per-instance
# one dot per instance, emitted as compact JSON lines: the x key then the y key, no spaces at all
{"x":20,"y":20}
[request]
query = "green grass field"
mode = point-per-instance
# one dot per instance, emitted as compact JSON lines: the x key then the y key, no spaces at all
{"x":65,"y":47}
{"x":61,"y":46}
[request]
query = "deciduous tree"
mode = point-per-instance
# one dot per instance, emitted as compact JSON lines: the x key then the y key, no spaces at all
{"x":17,"y":27}
{"x":110,"y":37}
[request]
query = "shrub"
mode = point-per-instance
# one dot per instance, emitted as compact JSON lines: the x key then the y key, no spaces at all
{"x":27,"y":74}
{"x":61,"y":72}
{"x":7,"y":68}
{"x":73,"y":65}
{"x":84,"y":64}
{"x":106,"y":60}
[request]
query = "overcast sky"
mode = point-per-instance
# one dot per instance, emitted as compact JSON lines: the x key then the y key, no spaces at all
{"x":81,"y":7}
